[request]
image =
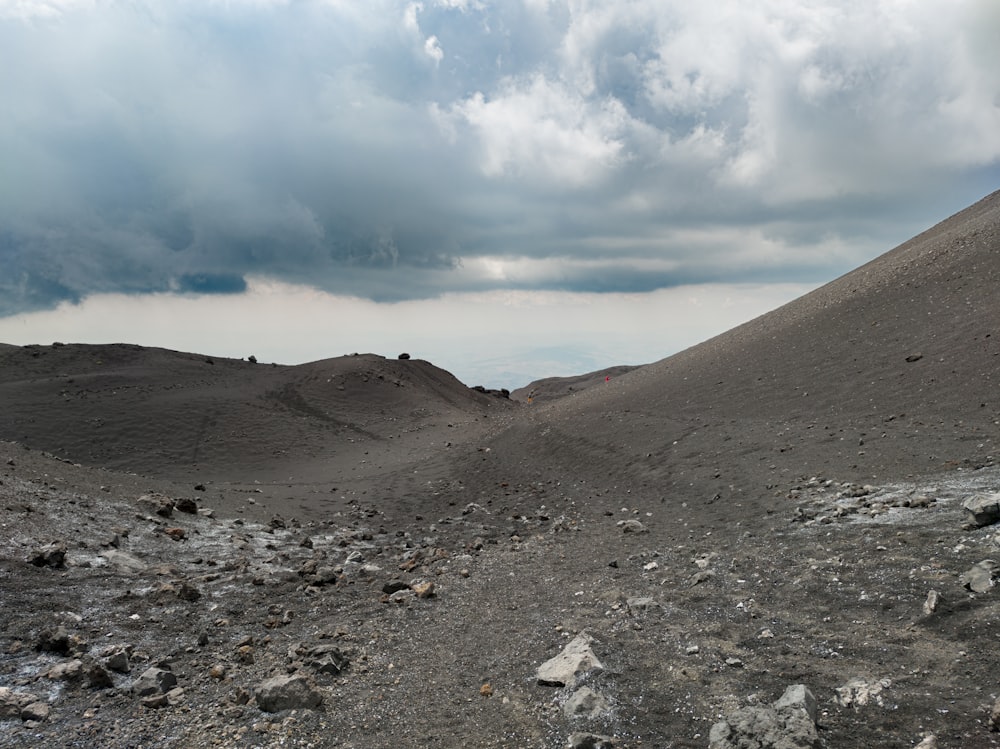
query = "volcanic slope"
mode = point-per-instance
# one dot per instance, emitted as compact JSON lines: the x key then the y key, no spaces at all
{"x":888,"y":372}
{"x":191,"y":418}
{"x":669,"y":513}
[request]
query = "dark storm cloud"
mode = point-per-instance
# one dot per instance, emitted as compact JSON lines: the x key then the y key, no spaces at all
{"x":396,"y":150}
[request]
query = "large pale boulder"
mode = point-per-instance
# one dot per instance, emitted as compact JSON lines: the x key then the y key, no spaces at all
{"x":568,"y":668}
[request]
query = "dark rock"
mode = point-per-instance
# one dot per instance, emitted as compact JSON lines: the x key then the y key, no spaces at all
{"x":60,"y":641}
{"x":170,"y":698}
{"x":592,"y":741}
{"x":187,"y":505}
{"x":53,"y":555}
{"x":323,"y":659}
{"x":154,"y":681}
{"x":118,"y":660}
{"x":404,"y":356}
{"x":393,"y":586}
{"x":983,"y":509}
{"x":96,"y":676}
{"x":156,"y":504}
{"x":188,"y":592}
{"x":287,"y":692}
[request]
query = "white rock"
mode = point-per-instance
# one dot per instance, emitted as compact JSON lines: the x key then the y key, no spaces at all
{"x":575,"y":661}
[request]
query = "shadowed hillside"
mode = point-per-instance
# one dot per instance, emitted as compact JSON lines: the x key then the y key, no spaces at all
{"x":167,"y":413}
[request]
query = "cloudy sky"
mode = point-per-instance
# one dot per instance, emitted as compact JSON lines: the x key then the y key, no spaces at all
{"x":510,"y":189}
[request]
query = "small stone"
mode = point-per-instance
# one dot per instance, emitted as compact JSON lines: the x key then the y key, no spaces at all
{"x":995,"y":716}
{"x":13,"y":702}
{"x":177,"y":534}
{"x":631,"y":526}
{"x":188,"y":592}
{"x":154,"y":681}
{"x":979,"y":578}
{"x":324,"y":659}
{"x":53,"y":555}
{"x":586,"y":703}
{"x":67,"y":671}
{"x":928,"y":742}
{"x":218,"y":671}
{"x":592,"y":741}
{"x":117,"y":660}
{"x":486,"y":690}
{"x":156,"y":504}
{"x":931,"y":602}
{"x":640,"y":604}
{"x":54,"y":641}
{"x":36,"y":711}
{"x":423,"y":589}
{"x":171,"y":698}
{"x":97,"y":677}
{"x":859,"y":692}
{"x":287,"y":692}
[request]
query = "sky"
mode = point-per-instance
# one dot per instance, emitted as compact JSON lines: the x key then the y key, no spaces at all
{"x":511,"y":190}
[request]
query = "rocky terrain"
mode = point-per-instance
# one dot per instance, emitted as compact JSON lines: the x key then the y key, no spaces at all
{"x":782,"y":537}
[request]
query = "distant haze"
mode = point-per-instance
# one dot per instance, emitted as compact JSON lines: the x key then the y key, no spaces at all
{"x":512,"y":190}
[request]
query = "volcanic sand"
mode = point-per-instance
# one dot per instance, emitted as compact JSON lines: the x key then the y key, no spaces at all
{"x":881,"y":384}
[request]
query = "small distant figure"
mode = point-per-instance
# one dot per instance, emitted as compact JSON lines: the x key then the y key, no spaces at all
{"x":531,"y":397}
{"x":607,"y":378}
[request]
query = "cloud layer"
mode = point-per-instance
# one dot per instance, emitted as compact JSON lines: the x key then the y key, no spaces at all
{"x":403,"y":150}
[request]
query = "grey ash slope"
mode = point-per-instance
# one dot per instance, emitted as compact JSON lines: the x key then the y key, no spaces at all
{"x":553,"y":388}
{"x":889,"y":371}
{"x":177,"y":415}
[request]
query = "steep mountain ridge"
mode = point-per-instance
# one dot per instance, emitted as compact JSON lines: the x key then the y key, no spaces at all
{"x":890,"y":369}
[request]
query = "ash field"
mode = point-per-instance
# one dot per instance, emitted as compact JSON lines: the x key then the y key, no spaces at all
{"x":766,"y":540}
